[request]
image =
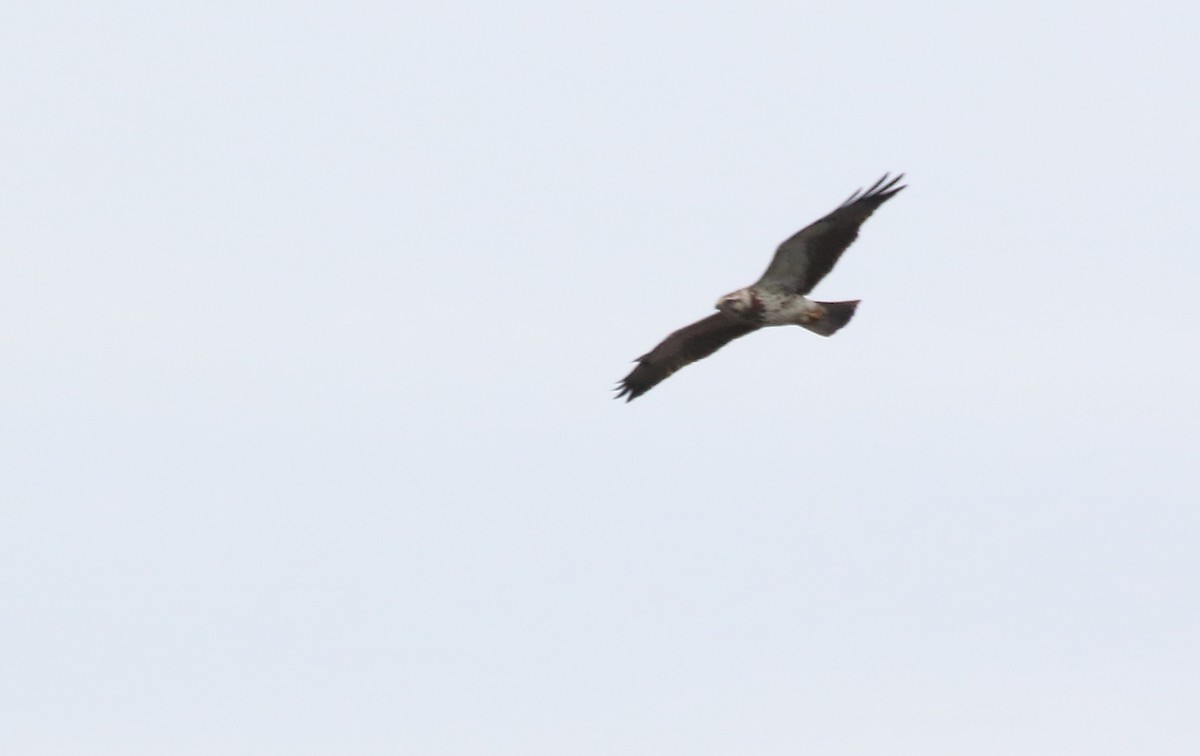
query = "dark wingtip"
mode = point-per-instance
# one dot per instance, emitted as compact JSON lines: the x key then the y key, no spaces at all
{"x":624,"y":390}
{"x":884,"y":188}
{"x":880,"y":190}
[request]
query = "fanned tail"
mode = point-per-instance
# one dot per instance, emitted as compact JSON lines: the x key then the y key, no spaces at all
{"x":837,"y":314}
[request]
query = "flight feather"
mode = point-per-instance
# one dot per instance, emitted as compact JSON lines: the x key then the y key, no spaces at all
{"x":807,"y":256}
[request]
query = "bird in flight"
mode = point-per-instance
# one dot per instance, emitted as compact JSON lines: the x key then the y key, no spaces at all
{"x":777,"y":298}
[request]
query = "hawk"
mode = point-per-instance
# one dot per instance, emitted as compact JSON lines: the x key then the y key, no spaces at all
{"x":777,"y":298}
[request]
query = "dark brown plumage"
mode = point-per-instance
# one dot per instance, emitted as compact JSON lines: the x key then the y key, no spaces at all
{"x":808,"y":255}
{"x":683,"y":347}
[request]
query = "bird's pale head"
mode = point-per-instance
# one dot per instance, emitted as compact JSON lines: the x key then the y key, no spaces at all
{"x":742,"y":304}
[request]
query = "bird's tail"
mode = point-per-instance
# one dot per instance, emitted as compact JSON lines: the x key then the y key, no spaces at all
{"x":837,"y":314}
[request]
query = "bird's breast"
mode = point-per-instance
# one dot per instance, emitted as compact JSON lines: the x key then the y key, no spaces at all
{"x":786,"y":309}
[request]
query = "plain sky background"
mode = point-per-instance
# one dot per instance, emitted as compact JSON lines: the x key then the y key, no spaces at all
{"x":311,"y":314}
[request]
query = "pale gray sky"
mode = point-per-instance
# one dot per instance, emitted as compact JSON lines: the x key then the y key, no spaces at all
{"x":311,"y":314}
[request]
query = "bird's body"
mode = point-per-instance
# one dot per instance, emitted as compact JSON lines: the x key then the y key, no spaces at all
{"x":780,"y":308}
{"x":777,"y":298}
{"x":774,"y":307}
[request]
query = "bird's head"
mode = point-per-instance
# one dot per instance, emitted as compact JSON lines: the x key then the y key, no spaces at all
{"x":741,"y":304}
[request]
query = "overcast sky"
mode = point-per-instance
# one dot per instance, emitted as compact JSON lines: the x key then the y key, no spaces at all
{"x":311,"y":314}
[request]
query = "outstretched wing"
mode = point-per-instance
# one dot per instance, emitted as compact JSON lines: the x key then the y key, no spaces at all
{"x":685,"y":346}
{"x":805,"y":258}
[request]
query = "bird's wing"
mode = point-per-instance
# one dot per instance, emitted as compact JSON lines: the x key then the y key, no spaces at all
{"x":805,"y":258}
{"x":683,"y":347}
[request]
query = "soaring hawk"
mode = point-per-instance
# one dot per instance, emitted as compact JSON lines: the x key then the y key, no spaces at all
{"x":777,"y":298}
